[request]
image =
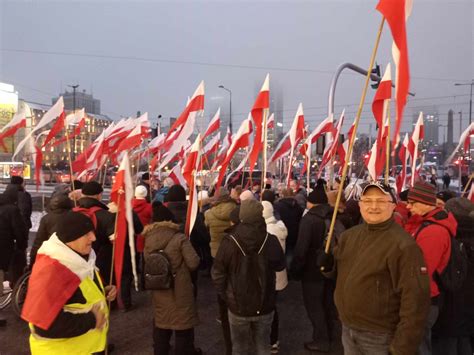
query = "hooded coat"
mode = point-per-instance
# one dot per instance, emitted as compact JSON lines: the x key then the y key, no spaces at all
{"x":58,"y":205}
{"x":290,"y":213}
{"x":143,"y":210}
{"x":217,"y":219}
{"x":175,"y":308}
{"x":12,"y":231}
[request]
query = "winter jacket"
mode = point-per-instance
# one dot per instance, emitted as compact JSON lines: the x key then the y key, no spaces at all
{"x":382,"y":285}
{"x":435,"y":241}
{"x":290,"y":213}
{"x":25,"y":204}
{"x":456,"y":309}
{"x":175,"y":308}
{"x":217,"y":219}
{"x":312,"y":233}
{"x":251,"y":238}
{"x":278,"y":229}
{"x":161,"y":194}
{"x":300,"y":197}
{"x":58,"y":205}
{"x":144,"y":212}
{"x":13,"y":231}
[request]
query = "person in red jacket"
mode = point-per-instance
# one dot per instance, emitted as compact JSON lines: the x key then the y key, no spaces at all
{"x":143,"y":210}
{"x":433,"y":230}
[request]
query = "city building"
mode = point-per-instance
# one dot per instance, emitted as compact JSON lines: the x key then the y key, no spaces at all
{"x":79,"y":99}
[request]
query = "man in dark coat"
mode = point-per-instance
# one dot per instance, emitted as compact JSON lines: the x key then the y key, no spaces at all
{"x":317,"y":290}
{"x":25,"y":203}
{"x":59,"y":204}
{"x":12,"y":234}
{"x":290,"y":213}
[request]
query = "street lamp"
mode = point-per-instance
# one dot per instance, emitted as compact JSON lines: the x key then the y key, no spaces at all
{"x":74,"y":87}
{"x":470,"y":97}
{"x":230,"y":105}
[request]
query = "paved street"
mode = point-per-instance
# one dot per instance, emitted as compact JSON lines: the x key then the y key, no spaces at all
{"x":132,"y":332}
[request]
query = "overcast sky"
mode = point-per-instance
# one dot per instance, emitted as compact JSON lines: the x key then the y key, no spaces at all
{"x":151,"y":55}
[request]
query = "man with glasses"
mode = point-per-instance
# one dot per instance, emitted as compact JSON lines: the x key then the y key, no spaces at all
{"x":382,"y":285}
{"x":432,"y":230}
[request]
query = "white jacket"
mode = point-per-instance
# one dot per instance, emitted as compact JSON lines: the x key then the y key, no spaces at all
{"x":278,"y":229}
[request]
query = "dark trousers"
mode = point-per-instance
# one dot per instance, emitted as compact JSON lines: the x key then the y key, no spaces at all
{"x":316,"y":297}
{"x":275,"y":325}
{"x":224,"y":316}
{"x":183,"y":341}
{"x":452,"y":346}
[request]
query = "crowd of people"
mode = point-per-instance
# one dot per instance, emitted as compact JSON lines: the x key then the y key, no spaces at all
{"x":396,"y":278}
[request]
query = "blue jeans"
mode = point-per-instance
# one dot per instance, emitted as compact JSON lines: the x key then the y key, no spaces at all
{"x":360,"y":342}
{"x":250,"y":335}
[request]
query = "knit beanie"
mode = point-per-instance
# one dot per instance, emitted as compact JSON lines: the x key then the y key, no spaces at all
{"x":317,"y":196}
{"x":72,"y":226}
{"x":141,"y":192}
{"x":16,"y":180}
{"x":268,"y":195}
{"x":176,"y":193}
{"x":251,"y":211}
{"x":247,"y":195}
{"x":91,"y":188}
{"x":161,"y":213}
{"x":267,"y":209}
{"x":423,"y":192}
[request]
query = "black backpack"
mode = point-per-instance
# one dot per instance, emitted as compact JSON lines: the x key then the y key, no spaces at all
{"x":454,"y":274}
{"x":249,"y":282}
{"x":158,"y":271}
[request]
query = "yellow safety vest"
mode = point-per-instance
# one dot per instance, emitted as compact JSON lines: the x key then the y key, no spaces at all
{"x":91,"y":342}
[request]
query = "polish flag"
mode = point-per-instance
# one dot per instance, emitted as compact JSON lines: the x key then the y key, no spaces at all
{"x":190,"y":170}
{"x":214,"y":125}
{"x":326,"y":126}
{"x":56,"y":129}
{"x":226,"y":143}
{"x":465,"y":139}
{"x":331,"y":148}
{"x":396,"y":13}
{"x":133,"y":140}
{"x":195,"y":104}
{"x":416,"y":137}
{"x":402,"y":154}
{"x":122,"y":194}
{"x":18,"y":121}
{"x":271,"y":121}
{"x":344,"y":148}
{"x":156,"y":143}
{"x":212,"y":145}
{"x":239,"y":168}
{"x":78,"y":121}
{"x":262,"y":102}
{"x":283,"y":147}
{"x":240,"y":140}
{"x":370,"y":163}
{"x":176,"y":175}
{"x":54,"y":112}
{"x":381,"y":101}
{"x":297,"y":132}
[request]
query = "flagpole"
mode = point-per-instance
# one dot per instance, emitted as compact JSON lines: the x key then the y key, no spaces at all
{"x":308,"y":162}
{"x":68,"y":144}
{"x":387,"y":155}
{"x":468,"y":182}
{"x":351,"y":142}
{"x":264,"y":170}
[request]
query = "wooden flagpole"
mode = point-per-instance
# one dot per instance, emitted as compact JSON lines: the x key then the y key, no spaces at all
{"x":265,"y":142}
{"x":68,"y":144}
{"x":387,"y":154}
{"x":467,"y":185}
{"x":351,"y":142}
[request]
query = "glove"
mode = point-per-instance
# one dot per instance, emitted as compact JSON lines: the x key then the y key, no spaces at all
{"x":112,"y":237}
{"x":325,"y":261}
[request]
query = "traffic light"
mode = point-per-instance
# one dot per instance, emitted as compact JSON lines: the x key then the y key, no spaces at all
{"x":376,"y":71}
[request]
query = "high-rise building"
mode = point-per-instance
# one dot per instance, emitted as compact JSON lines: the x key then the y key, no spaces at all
{"x":82,"y":100}
{"x":450,"y":128}
{"x":430,"y":122}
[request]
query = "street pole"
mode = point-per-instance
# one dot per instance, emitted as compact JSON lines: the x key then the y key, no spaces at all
{"x":230,"y":105}
{"x":74,"y":87}
{"x":470,"y":116}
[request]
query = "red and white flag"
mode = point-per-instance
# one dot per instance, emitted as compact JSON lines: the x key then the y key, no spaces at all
{"x":190,"y":170}
{"x":122,"y":194}
{"x":212,"y":145}
{"x":262,"y":102}
{"x":177,"y":177}
{"x":344,"y":148}
{"x":271,"y":121}
{"x":297,"y":132}
{"x":240,"y":140}
{"x":133,"y":140}
{"x":381,"y":102}
{"x":464,"y":141}
{"x":396,"y":13}
{"x":78,"y":121}
{"x":416,"y":137}
{"x":155,"y":143}
{"x":18,"y":121}
{"x":402,"y":154}
{"x":226,"y":143}
{"x":195,"y":104}
{"x":331,"y":147}
{"x":50,"y":116}
{"x":214,"y":125}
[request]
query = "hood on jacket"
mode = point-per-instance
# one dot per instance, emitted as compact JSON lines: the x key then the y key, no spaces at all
{"x":250,"y":236}
{"x":139,"y":205}
{"x":222,"y":210}
{"x":290,"y":202}
{"x":60,"y":203}
{"x":443,"y":218}
{"x":179,"y":209}
{"x":322,"y":211}
{"x":158,"y":234}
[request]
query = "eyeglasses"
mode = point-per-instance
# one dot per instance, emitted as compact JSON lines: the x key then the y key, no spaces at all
{"x":370,"y":202}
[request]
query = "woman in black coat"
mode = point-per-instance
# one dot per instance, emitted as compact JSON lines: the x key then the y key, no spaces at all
{"x":59,"y":204}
